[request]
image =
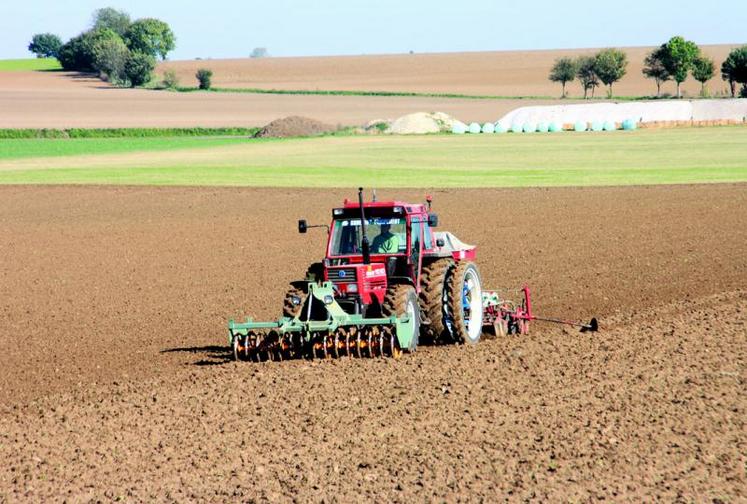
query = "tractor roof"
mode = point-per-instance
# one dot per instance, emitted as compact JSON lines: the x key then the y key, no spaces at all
{"x":407,"y":208}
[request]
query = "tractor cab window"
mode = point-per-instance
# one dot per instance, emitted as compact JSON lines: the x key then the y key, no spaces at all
{"x":427,"y":236}
{"x":386,"y":235}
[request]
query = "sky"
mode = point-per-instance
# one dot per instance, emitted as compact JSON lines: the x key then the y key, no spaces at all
{"x":232,"y":28}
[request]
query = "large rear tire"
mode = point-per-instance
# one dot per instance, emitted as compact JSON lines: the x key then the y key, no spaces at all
{"x":432,"y":297}
{"x":464,"y":303}
{"x":401,"y":300}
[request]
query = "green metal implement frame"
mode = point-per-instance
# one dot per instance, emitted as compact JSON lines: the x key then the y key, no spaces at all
{"x":336,"y":318}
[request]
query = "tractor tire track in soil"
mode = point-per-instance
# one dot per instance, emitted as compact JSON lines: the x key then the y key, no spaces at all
{"x":115,"y":379}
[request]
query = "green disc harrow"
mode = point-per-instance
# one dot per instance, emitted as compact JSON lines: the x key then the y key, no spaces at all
{"x":322,"y":330}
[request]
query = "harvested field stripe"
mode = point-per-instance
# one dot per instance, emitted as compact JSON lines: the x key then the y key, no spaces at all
{"x":351,"y":177}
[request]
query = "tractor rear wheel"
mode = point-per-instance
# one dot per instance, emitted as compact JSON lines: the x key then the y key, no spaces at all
{"x":464,"y":303}
{"x":432,"y":296}
{"x":401,"y":300}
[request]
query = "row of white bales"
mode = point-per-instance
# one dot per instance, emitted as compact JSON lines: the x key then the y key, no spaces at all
{"x":607,"y":116}
{"x":579,"y":117}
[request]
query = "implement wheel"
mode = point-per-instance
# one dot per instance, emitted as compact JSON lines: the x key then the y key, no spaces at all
{"x":464,"y":303}
{"x":296,"y":296}
{"x":293,"y":302}
{"x":401,"y":300}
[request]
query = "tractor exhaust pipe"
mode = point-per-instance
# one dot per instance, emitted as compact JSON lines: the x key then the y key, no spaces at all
{"x":365,"y":246}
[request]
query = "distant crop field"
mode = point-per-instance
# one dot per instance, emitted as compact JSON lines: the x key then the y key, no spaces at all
{"x":693,"y":155}
{"x":20,"y":65}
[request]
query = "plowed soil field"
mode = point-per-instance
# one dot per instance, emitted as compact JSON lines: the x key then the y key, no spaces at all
{"x":116,"y":383}
{"x":66,"y":100}
{"x":502,"y":73}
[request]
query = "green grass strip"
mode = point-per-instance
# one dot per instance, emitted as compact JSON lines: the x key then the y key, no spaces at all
{"x":327,"y":92}
{"x":52,"y":148}
{"x":29,"y":64}
{"x":124,"y":132}
{"x":322,"y":92}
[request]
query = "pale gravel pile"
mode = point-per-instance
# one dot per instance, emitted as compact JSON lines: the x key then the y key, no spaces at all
{"x":421,"y":123}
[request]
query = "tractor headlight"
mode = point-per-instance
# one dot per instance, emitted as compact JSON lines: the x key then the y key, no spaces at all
{"x":328,"y":299}
{"x":352,"y":287}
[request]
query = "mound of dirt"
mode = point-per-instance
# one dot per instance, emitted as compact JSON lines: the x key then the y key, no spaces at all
{"x":294,"y":126}
{"x":422,"y":122}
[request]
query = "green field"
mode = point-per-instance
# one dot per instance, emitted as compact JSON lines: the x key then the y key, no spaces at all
{"x":44,"y":147}
{"x":17,"y":65}
{"x":690,"y":155}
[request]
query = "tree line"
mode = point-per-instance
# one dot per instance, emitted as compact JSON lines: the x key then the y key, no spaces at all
{"x":120,"y":50}
{"x":672,"y":61}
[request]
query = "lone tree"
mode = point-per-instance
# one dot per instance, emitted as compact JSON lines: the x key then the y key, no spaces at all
{"x":610,"y":66}
{"x":653,"y":68}
{"x":45,"y":45}
{"x":204,"y":78}
{"x":586,"y":73}
{"x":150,"y":36}
{"x":734,"y":70}
{"x":703,"y":70}
{"x":563,"y":71}
{"x":113,"y":19}
{"x":679,"y":55}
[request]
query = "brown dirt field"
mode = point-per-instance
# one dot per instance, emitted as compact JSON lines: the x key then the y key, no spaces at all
{"x":63,"y":100}
{"x":501,"y":73}
{"x":114,"y":379}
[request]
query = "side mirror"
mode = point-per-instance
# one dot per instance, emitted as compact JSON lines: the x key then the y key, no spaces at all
{"x":302,"y":226}
{"x":433,"y":220}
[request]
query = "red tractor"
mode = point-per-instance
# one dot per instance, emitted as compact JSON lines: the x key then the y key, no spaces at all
{"x":384,"y":258}
{"x":387,"y":279}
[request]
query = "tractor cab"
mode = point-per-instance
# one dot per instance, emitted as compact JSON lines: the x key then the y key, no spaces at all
{"x":396,"y":235}
{"x":373,"y":245}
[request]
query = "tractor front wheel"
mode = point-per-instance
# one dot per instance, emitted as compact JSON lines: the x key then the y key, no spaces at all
{"x":464,"y":303}
{"x":293,"y":302}
{"x":400,"y":301}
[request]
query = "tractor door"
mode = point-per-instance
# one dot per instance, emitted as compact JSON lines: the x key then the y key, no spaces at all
{"x":416,"y":248}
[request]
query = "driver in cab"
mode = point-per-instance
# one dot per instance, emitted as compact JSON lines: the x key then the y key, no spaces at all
{"x":386,"y":242}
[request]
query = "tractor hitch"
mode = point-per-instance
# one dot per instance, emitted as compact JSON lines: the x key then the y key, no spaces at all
{"x":507,"y":317}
